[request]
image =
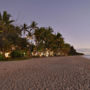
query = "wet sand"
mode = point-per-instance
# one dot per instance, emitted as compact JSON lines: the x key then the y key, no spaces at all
{"x":55,"y":73}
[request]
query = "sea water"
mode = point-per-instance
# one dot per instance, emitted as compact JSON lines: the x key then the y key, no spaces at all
{"x":86,"y":52}
{"x":87,"y":56}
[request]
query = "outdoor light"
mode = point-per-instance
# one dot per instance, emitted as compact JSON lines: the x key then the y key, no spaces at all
{"x":7,"y":54}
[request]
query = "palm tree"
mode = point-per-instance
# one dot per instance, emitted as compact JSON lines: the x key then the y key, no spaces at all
{"x":5,"y":21}
{"x":32,"y":29}
{"x":5,"y":18}
{"x":66,"y":48}
{"x":50,"y":29}
{"x":24,"y":28}
{"x":44,"y":38}
{"x":33,"y":26}
{"x":59,"y":35}
{"x":60,"y":40}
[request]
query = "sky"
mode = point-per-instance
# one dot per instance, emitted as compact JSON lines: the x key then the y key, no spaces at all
{"x":69,"y":17}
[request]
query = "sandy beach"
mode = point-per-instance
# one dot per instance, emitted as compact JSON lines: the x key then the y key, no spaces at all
{"x":53,"y":73}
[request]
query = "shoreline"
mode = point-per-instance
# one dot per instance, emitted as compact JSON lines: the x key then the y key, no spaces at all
{"x":86,"y":56}
{"x":29,"y":58}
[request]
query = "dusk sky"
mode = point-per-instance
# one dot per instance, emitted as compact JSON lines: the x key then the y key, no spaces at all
{"x":69,"y":17}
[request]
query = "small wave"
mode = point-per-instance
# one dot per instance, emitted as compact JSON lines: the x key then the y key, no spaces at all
{"x":87,"y":56}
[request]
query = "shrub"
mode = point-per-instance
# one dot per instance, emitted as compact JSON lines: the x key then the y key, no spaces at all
{"x":1,"y":57}
{"x":17,"y":53}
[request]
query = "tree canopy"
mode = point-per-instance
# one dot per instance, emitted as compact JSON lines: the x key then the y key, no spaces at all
{"x":14,"y":37}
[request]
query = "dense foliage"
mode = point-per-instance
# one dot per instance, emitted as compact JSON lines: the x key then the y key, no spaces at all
{"x":1,"y":57}
{"x":17,"y":53}
{"x":30,"y":38}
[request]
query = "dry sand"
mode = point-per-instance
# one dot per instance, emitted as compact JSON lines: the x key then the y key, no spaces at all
{"x":55,"y":73}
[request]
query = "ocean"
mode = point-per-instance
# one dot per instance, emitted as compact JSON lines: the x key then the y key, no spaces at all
{"x":86,"y":52}
{"x":86,"y":56}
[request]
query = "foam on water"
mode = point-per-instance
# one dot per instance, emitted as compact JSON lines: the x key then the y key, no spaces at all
{"x":87,"y":56}
{"x":86,"y":52}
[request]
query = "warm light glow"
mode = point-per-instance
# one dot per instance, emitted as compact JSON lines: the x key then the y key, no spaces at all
{"x":7,"y":54}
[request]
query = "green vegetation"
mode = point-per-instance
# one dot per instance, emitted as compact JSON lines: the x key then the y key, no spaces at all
{"x":1,"y":57}
{"x":17,"y":53}
{"x":30,"y":40}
